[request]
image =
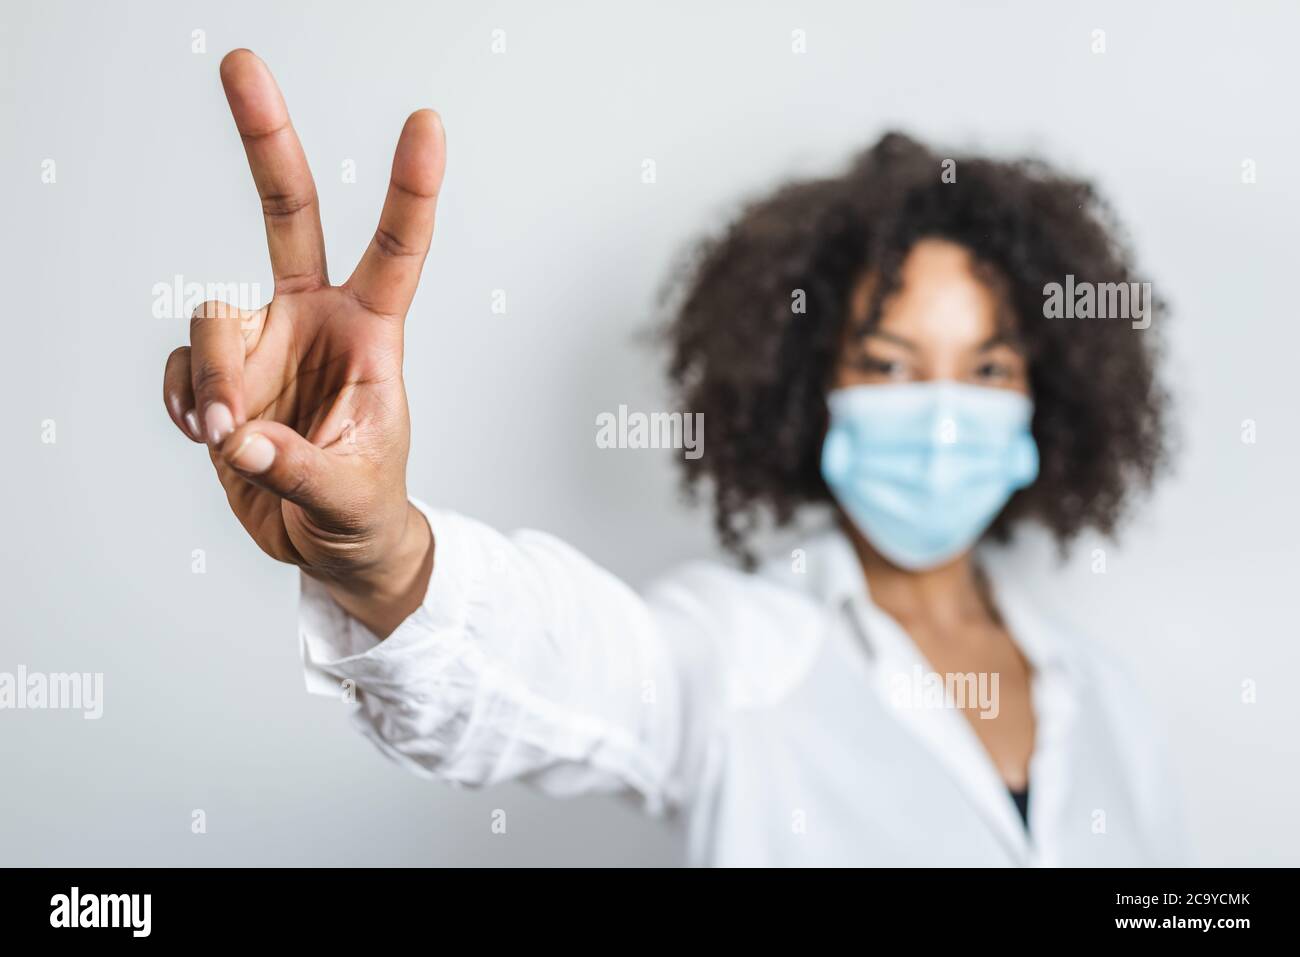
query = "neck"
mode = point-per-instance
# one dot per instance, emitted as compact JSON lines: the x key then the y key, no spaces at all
{"x":951,"y":593}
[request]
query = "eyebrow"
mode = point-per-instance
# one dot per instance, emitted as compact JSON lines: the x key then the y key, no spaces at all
{"x":997,"y":339}
{"x":907,"y":344}
{"x":1000,"y":339}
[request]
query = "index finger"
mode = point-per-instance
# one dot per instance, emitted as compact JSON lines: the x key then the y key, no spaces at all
{"x":385,"y":279}
{"x":280,"y":171}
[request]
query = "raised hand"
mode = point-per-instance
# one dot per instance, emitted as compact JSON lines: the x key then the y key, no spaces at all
{"x":301,"y":403}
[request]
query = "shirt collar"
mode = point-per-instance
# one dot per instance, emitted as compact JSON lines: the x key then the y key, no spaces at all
{"x":829,"y":571}
{"x":832,"y":573}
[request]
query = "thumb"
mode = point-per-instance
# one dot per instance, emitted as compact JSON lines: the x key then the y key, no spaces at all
{"x":276,"y":458}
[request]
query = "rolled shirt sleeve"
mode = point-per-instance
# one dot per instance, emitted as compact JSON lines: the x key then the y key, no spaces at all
{"x":525,"y":660}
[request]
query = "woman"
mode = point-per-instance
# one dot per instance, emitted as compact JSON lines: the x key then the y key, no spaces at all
{"x":877,"y":342}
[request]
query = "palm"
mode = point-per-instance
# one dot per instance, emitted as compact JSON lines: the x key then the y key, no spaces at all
{"x":331,"y":371}
{"x":317,"y":373}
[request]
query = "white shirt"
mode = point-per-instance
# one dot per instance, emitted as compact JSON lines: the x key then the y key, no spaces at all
{"x":766,"y":707}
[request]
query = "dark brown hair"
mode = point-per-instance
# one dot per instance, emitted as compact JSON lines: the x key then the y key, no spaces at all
{"x":759,"y":371}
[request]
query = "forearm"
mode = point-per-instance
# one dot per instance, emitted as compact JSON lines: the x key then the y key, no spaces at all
{"x":564,"y":670}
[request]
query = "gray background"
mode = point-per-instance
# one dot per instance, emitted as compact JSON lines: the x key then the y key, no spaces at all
{"x":204,"y":703}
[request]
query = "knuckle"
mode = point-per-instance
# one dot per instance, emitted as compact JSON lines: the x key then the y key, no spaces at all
{"x":275,"y":205}
{"x":210,"y":377}
{"x":390,"y":244}
{"x":298,"y":485}
{"x":215,"y":309}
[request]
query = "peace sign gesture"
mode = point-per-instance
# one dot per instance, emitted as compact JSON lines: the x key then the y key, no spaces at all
{"x":301,"y":403}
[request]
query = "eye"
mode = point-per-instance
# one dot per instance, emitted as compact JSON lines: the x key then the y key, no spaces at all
{"x":887,"y":368}
{"x":993,"y":370}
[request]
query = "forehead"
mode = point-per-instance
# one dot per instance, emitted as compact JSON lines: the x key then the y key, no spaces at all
{"x":943,"y":297}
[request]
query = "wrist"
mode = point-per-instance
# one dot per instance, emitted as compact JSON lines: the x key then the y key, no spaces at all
{"x":381,"y":595}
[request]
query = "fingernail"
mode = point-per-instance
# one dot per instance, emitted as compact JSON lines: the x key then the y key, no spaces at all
{"x":192,"y":423}
{"x":220,"y":422}
{"x":254,"y":455}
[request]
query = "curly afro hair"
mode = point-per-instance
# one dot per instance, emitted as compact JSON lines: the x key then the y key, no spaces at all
{"x":759,"y":372}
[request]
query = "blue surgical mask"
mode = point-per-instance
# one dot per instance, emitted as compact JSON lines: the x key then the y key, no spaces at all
{"x":923,"y":468}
